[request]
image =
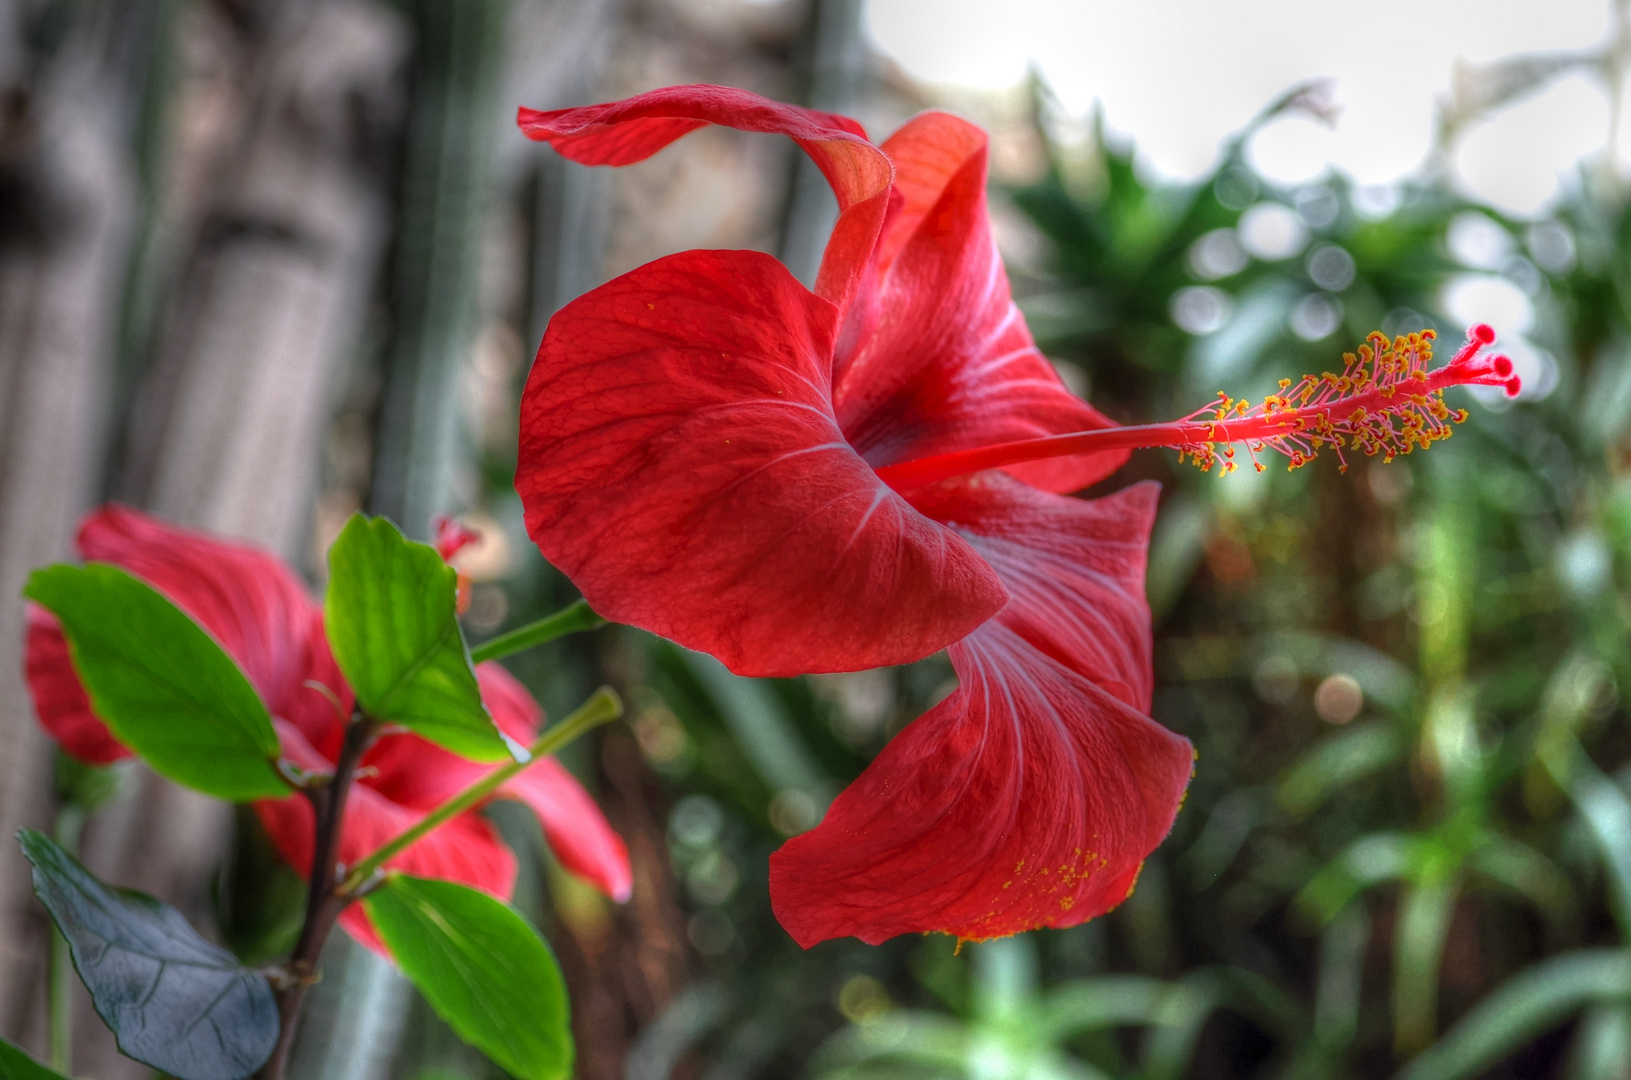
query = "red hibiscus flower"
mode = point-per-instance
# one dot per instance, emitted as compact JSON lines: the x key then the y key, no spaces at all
{"x":700,"y":447}
{"x":261,"y":614}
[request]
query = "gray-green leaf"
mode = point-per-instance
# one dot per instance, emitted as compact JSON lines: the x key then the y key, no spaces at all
{"x":173,"y":1000}
{"x":393,"y":625}
{"x":163,"y":685}
{"x":484,"y":970}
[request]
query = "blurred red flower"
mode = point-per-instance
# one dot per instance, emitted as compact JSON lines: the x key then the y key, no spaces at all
{"x":699,"y":446}
{"x":259,"y":611}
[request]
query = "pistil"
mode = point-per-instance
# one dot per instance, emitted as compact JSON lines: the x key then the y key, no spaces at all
{"x":1387,"y":400}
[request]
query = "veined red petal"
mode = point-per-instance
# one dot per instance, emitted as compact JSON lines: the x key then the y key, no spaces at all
{"x":59,"y":697}
{"x":927,"y":151}
{"x":1028,"y":798}
{"x":417,"y":774}
{"x":680,"y":461}
{"x":466,"y":849}
{"x":1031,"y":796}
{"x":623,"y":132}
{"x":1075,"y":567}
{"x":949,"y":363}
{"x":247,"y":598}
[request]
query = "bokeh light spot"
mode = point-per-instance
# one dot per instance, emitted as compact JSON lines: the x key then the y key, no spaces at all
{"x":1338,"y":699}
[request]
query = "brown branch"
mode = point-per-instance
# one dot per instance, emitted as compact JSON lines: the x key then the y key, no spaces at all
{"x":323,"y":907}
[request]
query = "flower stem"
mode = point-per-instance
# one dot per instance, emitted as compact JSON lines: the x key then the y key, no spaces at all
{"x":569,"y":620}
{"x":323,"y":907}
{"x":603,"y":705}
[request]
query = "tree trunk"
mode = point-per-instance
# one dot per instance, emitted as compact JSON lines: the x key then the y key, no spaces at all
{"x":64,"y":223}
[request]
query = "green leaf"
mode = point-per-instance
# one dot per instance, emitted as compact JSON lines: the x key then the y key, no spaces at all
{"x":1337,"y":762}
{"x":1522,"y":1009}
{"x":483,"y":968}
{"x":173,"y":1000}
{"x":16,"y":1065}
{"x":939,"y":1045}
{"x":392,"y":623}
{"x":1607,"y":813}
{"x":1103,"y":1001}
{"x":162,"y":684}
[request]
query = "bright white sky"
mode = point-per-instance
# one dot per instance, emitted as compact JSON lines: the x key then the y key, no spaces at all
{"x":1180,"y":75}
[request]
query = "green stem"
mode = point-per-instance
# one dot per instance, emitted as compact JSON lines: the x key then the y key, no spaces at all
{"x":70,"y":822}
{"x":569,"y":620}
{"x":603,"y":705}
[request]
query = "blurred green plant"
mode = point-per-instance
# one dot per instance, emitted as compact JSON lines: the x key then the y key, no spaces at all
{"x":1015,"y":1028}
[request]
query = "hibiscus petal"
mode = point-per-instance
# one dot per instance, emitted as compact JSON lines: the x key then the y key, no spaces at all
{"x":949,"y":363}
{"x":624,"y":132}
{"x":578,"y":833}
{"x":414,"y":773}
{"x":1075,"y":567}
{"x":927,"y":151}
{"x":1030,"y":796}
{"x":248,"y":599}
{"x":466,"y":849}
{"x":59,"y":697}
{"x":679,"y":461}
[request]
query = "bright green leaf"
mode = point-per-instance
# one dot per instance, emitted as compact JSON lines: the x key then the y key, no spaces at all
{"x":483,"y":968}
{"x":162,"y":684}
{"x":16,"y":1065}
{"x":392,"y":623}
{"x":173,"y":1000}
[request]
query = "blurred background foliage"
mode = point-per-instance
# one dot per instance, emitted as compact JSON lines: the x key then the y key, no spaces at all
{"x":1407,"y":847}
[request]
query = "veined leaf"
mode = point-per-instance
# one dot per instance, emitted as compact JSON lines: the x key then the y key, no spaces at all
{"x":173,"y":1000}
{"x":392,"y":622}
{"x":483,"y":968}
{"x":163,"y":685}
